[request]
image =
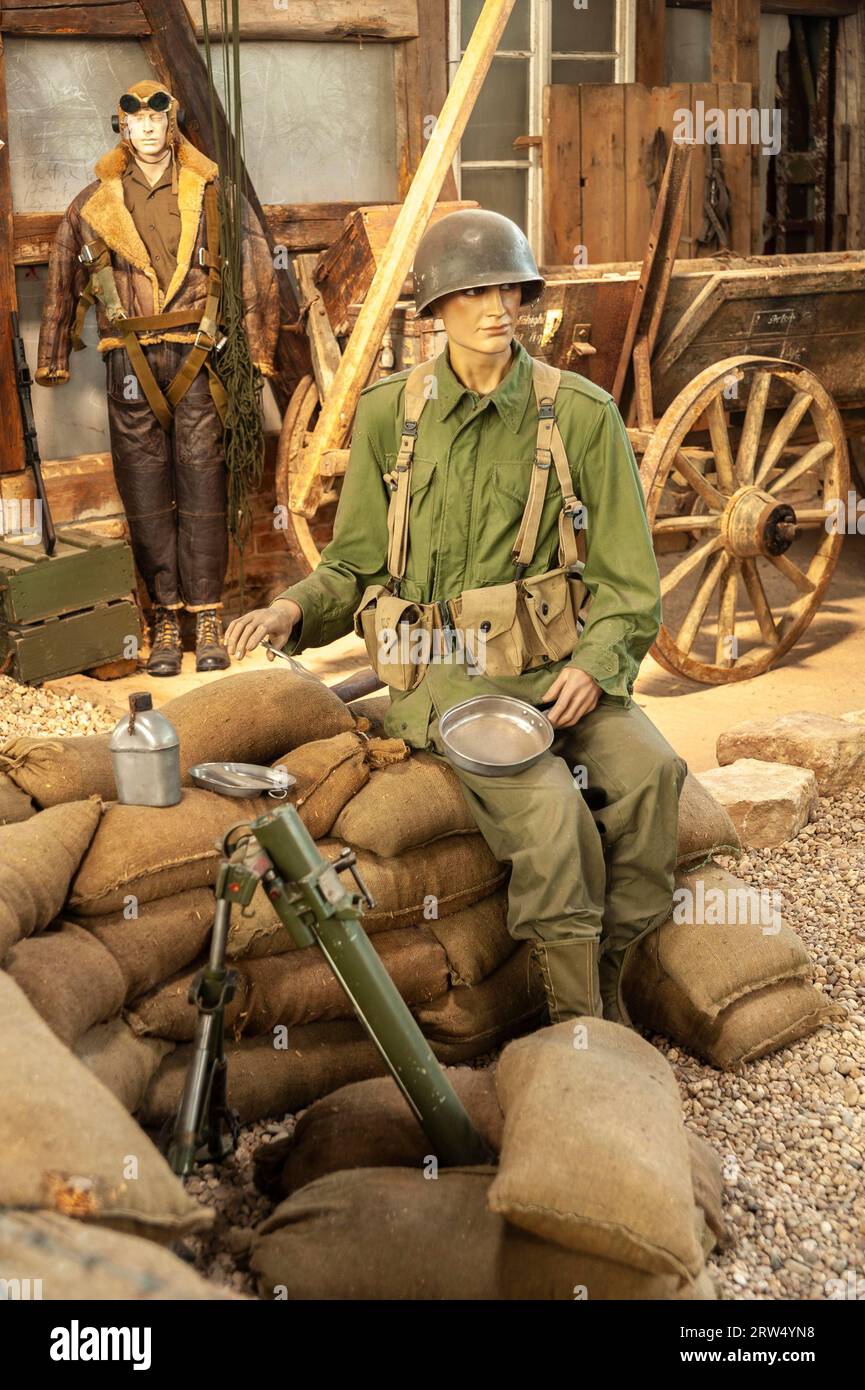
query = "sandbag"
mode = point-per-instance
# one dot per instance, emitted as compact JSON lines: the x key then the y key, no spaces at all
{"x":38,"y":859}
{"x":70,"y":1261}
{"x":68,"y":1145}
{"x":15,"y":805}
{"x":442,"y":877}
{"x":707,"y":1182}
{"x":404,"y":805}
{"x":328,"y":772}
{"x":594,"y":1152}
{"x":369,"y":713}
{"x":368,"y":1125}
{"x":705,"y":827}
{"x":513,"y":996}
{"x":476,"y":939}
{"x":294,"y":988}
{"x":392,"y":1233}
{"x":252,"y":717}
{"x":69,"y":978}
{"x":165,"y":936}
{"x":154,"y":852}
{"x":123,"y":1063}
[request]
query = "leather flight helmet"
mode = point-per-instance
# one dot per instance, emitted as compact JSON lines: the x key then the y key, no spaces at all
{"x":469,"y":249}
{"x":142,"y":92}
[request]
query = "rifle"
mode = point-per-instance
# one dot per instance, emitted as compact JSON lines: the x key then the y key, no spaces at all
{"x":24,"y":381}
{"x":311,"y":900}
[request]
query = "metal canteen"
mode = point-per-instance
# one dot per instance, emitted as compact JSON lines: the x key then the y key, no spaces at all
{"x":495,"y":735}
{"x":145,"y":756}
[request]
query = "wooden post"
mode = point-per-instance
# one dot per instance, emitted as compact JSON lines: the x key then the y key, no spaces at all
{"x":736,"y":58}
{"x":337,"y":412}
{"x":12,"y":442}
{"x":650,"y":43}
{"x":173,"y":49}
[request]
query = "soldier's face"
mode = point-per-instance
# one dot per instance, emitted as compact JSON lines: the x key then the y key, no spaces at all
{"x":148,"y":131}
{"x":481,"y":320}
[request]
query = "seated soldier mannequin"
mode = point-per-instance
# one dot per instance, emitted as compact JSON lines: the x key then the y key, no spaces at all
{"x":142,"y":242}
{"x":590,"y":830}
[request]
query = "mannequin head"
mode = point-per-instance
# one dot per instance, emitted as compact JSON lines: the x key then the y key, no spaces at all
{"x":481,"y":320}
{"x":147,"y":132}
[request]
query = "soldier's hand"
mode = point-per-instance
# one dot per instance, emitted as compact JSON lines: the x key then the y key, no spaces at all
{"x":575,"y":694}
{"x":274,"y":625}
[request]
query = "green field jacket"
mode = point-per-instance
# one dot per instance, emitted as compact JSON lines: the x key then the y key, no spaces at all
{"x":469,"y":483}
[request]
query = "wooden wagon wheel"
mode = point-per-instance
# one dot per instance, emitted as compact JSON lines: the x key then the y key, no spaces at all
{"x":297,"y":423}
{"x":745,"y":525}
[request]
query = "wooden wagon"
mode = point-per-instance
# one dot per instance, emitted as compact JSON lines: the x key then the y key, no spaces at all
{"x":732,"y":374}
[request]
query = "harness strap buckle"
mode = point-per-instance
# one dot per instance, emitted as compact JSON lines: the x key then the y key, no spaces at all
{"x":547,"y":410}
{"x":409,"y":427}
{"x":543,"y":462}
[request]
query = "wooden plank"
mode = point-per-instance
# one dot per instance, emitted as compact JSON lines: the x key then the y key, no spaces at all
{"x":639,"y":155}
{"x":173,"y":47}
{"x":561,"y":161}
{"x":650,"y":43}
{"x":95,"y":19}
{"x":432,"y":63}
{"x":741,"y":170}
{"x":849,"y":133}
{"x":602,"y":170}
{"x":323,"y":345}
{"x":822,"y":8}
{"x":315,"y":21}
{"x":735,"y":37}
{"x":12,"y":442}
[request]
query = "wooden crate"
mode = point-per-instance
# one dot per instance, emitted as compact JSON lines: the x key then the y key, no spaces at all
{"x":85,"y":569}
{"x":68,"y":643}
{"x":410,"y":339}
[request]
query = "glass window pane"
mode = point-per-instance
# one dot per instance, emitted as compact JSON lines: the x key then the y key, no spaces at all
{"x":501,"y":112}
{"x":569,"y":71}
{"x":319,"y":120}
{"x":517,"y":33}
{"x":584,"y":28}
{"x":62,"y":94}
{"x":500,"y":190}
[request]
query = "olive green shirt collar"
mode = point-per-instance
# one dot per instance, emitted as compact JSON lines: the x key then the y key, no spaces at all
{"x":510,"y":397}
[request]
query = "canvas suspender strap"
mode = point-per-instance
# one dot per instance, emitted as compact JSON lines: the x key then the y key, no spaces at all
{"x":102,"y":286}
{"x":399,"y":477}
{"x":549,"y":449}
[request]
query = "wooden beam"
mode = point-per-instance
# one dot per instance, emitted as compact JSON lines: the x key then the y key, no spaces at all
{"x":736,"y":42}
{"x":316,"y":21}
{"x":823,"y":9}
{"x":849,"y":134}
{"x":432,"y":67}
{"x":94,"y":19}
{"x":174,"y":51}
{"x":650,"y":43}
{"x":12,"y":439}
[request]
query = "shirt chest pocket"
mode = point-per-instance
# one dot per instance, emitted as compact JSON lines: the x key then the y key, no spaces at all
{"x":422,"y":514}
{"x":504,"y":502}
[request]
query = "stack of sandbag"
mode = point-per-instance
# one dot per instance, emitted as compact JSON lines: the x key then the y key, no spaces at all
{"x":599,"y":1191}
{"x":724,"y":977}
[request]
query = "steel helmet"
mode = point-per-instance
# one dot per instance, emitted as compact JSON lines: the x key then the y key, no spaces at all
{"x":471,"y":248}
{"x":141,"y":94}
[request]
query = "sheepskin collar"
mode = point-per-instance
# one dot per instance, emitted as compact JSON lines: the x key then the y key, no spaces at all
{"x":106,"y":212}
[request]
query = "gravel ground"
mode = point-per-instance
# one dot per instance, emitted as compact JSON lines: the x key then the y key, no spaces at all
{"x":789,"y":1127}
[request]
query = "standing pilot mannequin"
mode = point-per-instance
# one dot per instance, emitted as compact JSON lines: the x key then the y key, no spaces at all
{"x":142,"y":243}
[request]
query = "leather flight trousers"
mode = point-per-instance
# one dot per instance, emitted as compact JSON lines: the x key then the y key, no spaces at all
{"x":173,"y":485}
{"x":591,"y":834}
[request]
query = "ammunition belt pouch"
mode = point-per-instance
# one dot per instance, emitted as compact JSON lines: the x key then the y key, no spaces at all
{"x":500,"y":629}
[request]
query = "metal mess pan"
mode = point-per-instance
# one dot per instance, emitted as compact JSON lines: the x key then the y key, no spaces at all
{"x":495,"y":735}
{"x":242,"y":779}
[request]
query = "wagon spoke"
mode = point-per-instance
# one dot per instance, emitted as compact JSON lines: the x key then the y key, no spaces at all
{"x":710,"y":495}
{"x":692,"y":521}
{"x":798,"y":407}
{"x":690,"y":562}
{"x":814,"y":455}
{"x":752,"y":427}
{"x":759,"y":602}
{"x":725,"y":638}
{"x":721,"y":444}
{"x":812,"y":516}
{"x":789,"y":571}
{"x":699,"y":603}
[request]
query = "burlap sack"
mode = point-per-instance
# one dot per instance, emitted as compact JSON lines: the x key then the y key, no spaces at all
{"x":69,"y":978}
{"x":594,"y":1154}
{"x":705,"y":827}
{"x":513,"y":997}
{"x":328,"y":773}
{"x":370,"y":713}
{"x":123,"y":1063}
{"x":536,"y":1269}
{"x":252,"y":717}
{"x":404,"y":805}
{"x":391,"y":1233}
{"x":475,"y":939}
{"x":166,"y":1012}
{"x":152,"y":852}
{"x":165,"y":936}
{"x":408,"y":890}
{"x":66,"y":1143}
{"x":707,"y":1181}
{"x":38,"y":858}
{"x":74,"y":1261}
{"x":369,"y":1125}
{"x":15,"y":805}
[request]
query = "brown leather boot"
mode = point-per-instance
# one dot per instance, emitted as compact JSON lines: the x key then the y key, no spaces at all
{"x":211,"y":653}
{"x":166,"y":652}
{"x":569,"y":970}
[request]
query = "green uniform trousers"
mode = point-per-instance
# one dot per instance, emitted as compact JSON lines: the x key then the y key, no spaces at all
{"x":590,"y":832}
